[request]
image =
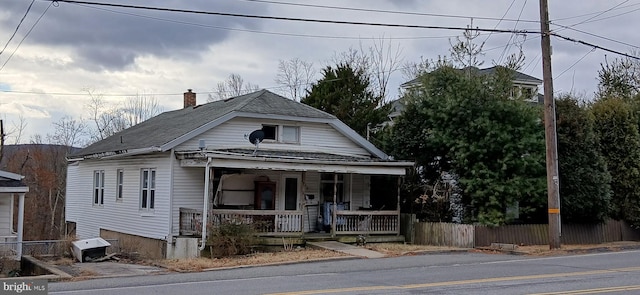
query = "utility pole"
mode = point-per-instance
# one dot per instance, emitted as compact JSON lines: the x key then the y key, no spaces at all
{"x":550,"y":131}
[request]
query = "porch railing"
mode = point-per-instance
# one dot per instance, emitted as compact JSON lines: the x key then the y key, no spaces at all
{"x":283,"y":223}
{"x":8,"y":246}
{"x":266,"y":222}
{"x":367,"y":222}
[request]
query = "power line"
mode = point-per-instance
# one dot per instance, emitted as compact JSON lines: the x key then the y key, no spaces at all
{"x":18,"y":27}
{"x":502,"y":18}
{"x":597,"y":12}
{"x":594,"y":46}
{"x":575,"y":63}
{"x":256,"y":31}
{"x":388,"y":11}
{"x":292,"y":18}
{"x":26,"y":35}
{"x":598,"y":36}
{"x":506,"y":48}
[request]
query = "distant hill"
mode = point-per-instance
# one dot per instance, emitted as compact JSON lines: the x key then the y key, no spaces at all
{"x":10,"y":151}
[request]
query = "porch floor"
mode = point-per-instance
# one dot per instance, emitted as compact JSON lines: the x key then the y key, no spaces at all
{"x":346,"y":248}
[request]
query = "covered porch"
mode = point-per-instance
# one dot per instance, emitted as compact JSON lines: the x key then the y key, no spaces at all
{"x":12,"y":190}
{"x":299,"y":196}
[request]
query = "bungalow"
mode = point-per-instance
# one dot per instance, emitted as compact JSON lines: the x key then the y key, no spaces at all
{"x":257,"y":157}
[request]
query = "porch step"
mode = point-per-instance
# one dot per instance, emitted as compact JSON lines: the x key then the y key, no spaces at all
{"x":345,"y":248}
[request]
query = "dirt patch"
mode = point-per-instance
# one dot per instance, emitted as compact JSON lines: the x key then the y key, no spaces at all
{"x":397,"y":249}
{"x":543,"y":250}
{"x":199,"y":264}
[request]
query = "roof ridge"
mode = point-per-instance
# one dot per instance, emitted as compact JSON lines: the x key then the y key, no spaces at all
{"x":246,"y":102}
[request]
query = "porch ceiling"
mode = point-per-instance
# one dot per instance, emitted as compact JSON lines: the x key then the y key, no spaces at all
{"x":294,"y":161}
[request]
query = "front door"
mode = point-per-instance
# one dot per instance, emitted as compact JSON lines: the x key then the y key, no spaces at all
{"x":290,"y":192}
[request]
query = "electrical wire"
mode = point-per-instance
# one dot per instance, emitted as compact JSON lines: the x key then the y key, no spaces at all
{"x":256,"y":31}
{"x":506,"y":48}
{"x":291,"y":18}
{"x":496,"y":26}
{"x":599,"y":14}
{"x":387,"y":11}
{"x":598,"y":36}
{"x":594,"y":46}
{"x":26,"y":35}
{"x":575,"y":63}
{"x":17,"y":27}
{"x":592,"y":13}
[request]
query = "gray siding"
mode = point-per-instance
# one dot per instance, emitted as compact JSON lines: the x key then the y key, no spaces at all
{"x":188,"y":191}
{"x":119,"y":215}
{"x":317,"y":137}
{"x":5,"y":215}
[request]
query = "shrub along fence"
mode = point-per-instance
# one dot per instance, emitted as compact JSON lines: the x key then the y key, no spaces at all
{"x":469,"y":236}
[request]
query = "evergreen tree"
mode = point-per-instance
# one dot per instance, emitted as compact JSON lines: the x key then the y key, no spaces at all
{"x":585,"y":190}
{"x":617,"y":130}
{"x":466,"y":125}
{"x":344,"y":92}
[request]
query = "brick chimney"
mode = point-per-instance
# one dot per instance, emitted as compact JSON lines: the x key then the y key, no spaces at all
{"x":189,"y":99}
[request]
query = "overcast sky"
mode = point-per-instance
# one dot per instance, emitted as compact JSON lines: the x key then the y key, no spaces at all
{"x":119,"y":52}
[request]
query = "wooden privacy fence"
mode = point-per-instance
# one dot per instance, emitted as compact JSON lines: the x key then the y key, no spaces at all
{"x":444,"y":234}
{"x":538,"y":234}
{"x":469,"y":236}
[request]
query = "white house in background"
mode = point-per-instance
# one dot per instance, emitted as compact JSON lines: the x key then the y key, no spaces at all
{"x":11,"y":186}
{"x":150,"y":184}
{"x":524,"y":86}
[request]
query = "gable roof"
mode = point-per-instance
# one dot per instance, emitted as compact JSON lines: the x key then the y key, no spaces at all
{"x":11,"y":182}
{"x":167,"y":130}
{"x":517,"y":76}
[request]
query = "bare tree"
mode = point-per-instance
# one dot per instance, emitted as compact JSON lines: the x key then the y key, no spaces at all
{"x":378,"y":62}
{"x":294,"y":76}
{"x":233,"y":86}
{"x":465,"y":51}
{"x":384,"y":61}
{"x":101,"y":115}
{"x":68,"y":132}
{"x":140,"y":108}
{"x":109,"y":120}
{"x":358,"y":60}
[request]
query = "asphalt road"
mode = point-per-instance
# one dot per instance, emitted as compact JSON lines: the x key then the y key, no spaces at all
{"x":456,"y":273}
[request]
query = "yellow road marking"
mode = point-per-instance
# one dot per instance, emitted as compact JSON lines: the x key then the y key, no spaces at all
{"x":593,"y":291}
{"x":465,"y":282}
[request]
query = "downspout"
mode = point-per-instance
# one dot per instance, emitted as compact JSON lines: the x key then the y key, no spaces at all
{"x":205,"y":209}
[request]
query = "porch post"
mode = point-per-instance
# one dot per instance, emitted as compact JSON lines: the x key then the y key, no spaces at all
{"x":398,"y":205}
{"x":20,"y":224}
{"x":301,"y":192}
{"x":335,"y":205}
{"x":205,"y":209}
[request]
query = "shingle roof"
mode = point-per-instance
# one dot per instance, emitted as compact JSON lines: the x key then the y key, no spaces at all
{"x":171,"y":125}
{"x":517,"y":76}
{"x":299,"y":155}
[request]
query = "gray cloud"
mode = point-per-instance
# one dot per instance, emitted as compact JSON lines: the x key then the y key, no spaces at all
{"x":108,"y":40}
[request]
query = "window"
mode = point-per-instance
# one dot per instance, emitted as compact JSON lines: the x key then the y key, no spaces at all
{"x":119,"y":183}
{"x":270,"y":132}
{"x":291,"y":134}
{"x":327,"y":185}
{"x":147,"y":189}
{"x":98,"y":187}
